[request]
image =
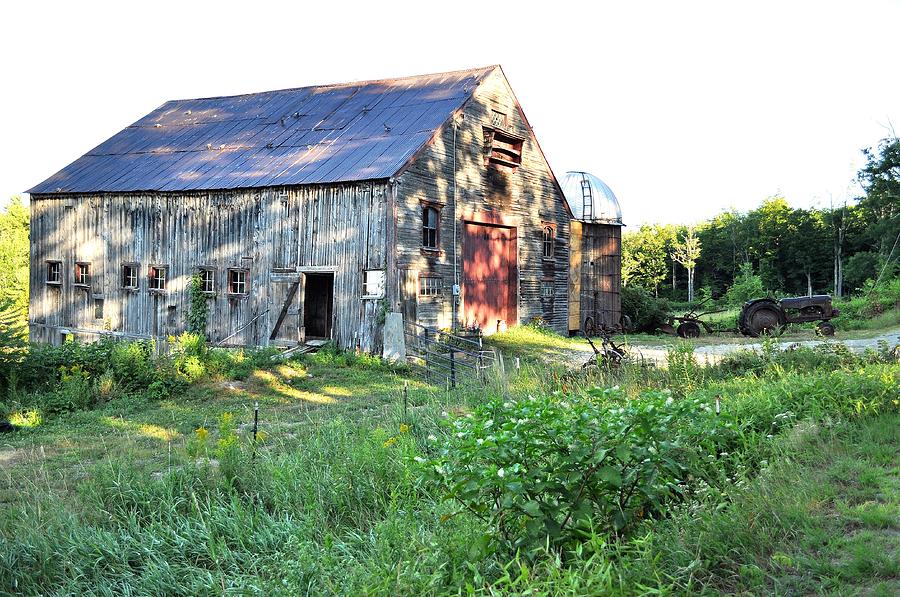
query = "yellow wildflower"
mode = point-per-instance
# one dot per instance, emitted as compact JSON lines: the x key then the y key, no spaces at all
{"x":404,"y":427}
{"x":201,"y":433}
{"x":390,"y":442}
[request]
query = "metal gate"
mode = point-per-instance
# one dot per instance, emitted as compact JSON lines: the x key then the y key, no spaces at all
{"x":446,"y":358}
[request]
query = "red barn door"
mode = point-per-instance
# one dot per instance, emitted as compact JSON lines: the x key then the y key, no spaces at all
{"x":490,"y":276}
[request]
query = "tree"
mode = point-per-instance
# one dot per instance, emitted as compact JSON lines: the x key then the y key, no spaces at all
{"x":14,"y":256}
{"x":644,"y":257}
{"x":880,"y":179}
{"x":687,"y":252}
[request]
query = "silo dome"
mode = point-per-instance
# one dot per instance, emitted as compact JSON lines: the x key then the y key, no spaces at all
{"x":590,"y":199}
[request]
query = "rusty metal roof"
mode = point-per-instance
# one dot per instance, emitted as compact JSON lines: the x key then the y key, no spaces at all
{"x":310,"y":135}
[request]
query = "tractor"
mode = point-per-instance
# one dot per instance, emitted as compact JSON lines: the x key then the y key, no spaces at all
{"x":767,"y":316}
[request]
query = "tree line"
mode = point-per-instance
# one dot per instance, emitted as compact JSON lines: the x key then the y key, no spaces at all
{"x":793,"y":251}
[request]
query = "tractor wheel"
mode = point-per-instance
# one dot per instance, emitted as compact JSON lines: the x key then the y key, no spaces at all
{"x":589,"y":329}
{"x":763,"y":318}
{"x":688,"y":329}
{"x":825,"y":328}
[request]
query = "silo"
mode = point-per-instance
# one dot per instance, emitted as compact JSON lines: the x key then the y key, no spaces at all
{"x":595,"y":254}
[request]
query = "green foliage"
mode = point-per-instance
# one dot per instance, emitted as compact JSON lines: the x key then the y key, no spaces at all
{"x":871,"y":303}
{"x":646,"y":312}
{"x":14,"y":228}
{"x":747,"y":286}
{"x":862,"y":266}
{"x":644,"y":256}
{"x":198,"y":312}
{"x":12,"y":345}
{"x":558,"y":468}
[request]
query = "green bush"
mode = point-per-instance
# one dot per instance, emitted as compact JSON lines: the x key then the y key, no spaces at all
{"x":558,"y":469}
{"x":747,"y":286}
{"x":646,"y":312}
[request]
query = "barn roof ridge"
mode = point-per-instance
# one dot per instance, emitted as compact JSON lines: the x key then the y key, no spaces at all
{"x":474,"y":70}
{"x":319,"y":134}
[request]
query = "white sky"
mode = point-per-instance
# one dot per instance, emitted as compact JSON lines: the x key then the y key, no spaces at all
{"x":683,"y":108}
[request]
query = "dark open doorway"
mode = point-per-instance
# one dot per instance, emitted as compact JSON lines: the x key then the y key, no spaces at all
{"x":318,"y":305}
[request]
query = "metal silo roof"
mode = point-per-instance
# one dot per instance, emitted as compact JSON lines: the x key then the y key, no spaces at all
{"x":591,"y":199}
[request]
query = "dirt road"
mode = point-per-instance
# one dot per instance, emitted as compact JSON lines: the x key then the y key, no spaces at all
{"x":713,"y":353}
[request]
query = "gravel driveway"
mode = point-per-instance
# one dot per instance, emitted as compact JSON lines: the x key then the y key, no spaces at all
{"x":713,"y":353}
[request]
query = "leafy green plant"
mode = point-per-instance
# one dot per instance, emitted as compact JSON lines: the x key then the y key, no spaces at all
{"x":646,"y":312}
{"x":558,"y":468}
{"x":747,"y":286}
{"x":198,"y":313}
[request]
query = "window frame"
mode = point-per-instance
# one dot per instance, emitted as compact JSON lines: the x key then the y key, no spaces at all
{"x":548,"y":240}
{"x":207,"y":269}
{"x":58,"y":280}
{"x":151,"y":271}
{"x":82,"y":274}
{"x":135,"y":268}
{"x":547,"y":283}
{"x":99,"y":303}
{"x":366,"y":294}
{"x":436,"y":290}
{"x":245,"y":272}
{"x":426,"y":209}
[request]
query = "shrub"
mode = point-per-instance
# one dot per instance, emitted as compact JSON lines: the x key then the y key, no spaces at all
{"x":558,"y":468}
{"x":646,"y":312}
{"x":747,"y":286}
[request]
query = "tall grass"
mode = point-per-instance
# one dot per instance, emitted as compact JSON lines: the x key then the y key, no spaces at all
{"x":337,"y":504}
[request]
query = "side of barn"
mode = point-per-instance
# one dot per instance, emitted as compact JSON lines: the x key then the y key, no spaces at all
{"x":480,"y":206}
{"x":275,"y":263}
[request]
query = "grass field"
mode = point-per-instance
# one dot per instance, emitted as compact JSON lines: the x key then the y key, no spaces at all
{"x":794,"y":489}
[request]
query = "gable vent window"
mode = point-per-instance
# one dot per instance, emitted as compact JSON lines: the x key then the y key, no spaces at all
{"x":54,"y":272}
{"x":82,"y":274}
{"x":238,"y":281}
{"x":548,"y":242}
{"x":207,"y":280}
{"x":157,"y":278}
{"x":130,"y":276}
{"x":502,"y":149}
{"x":430,"y":217}
{"x":498,"y":119}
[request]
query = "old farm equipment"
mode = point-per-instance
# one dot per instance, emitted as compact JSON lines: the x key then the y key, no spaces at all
{"x":690,"y":324}
{"x":769,"y":316}
{"x":610,"y":353}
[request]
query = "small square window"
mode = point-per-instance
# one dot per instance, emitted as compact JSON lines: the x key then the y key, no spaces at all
{"x":82,"y":274}
{"x":430,"y":286}
{"x":373,"y":283}
{"x":207,"y":280}
{"x":546,"y":289}
{"x":158,"y":277}
{"x":498,"y":119}
{"x":54,"y":272}
{"x":238,"y":281}
{"x":130,"y":276}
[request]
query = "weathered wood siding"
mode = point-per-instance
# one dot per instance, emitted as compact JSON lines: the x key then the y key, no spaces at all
{"x":524,"y":199}
{"x":335,"y":228}
{"x":596,"y":276}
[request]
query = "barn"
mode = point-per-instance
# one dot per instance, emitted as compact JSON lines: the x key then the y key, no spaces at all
{"x":308,"y":213}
